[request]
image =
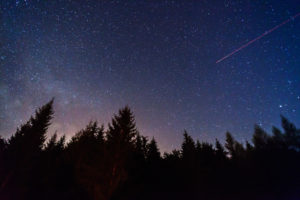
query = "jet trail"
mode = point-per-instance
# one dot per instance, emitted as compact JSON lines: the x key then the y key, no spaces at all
{"x":255,"y":39}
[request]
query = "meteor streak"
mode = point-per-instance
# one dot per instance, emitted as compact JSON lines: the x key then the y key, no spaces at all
{"x":255,"y":39}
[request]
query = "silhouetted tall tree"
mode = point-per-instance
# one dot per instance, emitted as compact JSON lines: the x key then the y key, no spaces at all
{"x":291,"y":133}
{"x":86,"y":150}
{"x":120,"y":141}
{"x":153,"y":154}
{"x":188,"y":148}
{"x":31,"y":136}
{"x":220,"y":151}
{"x":24,"y":149}
{"x":140,"y":147}
{"x":260,"y":138}
{"x":230,"y":144}
{"x":122,"y":129}
{"x":120,"y":163}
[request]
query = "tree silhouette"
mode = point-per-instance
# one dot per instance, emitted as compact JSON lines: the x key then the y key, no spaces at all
{"x":188,"y":148}
{"x":220,"y":151}
{"x":260,"y":138}
{"x":86,"y":152}
{"x":291,"y":133}
{"x":119,"y":163}
{"x":120,"y":141}
{"x":230,"y":144}
{"x":24,"y":149}
{"x":153,"y":154}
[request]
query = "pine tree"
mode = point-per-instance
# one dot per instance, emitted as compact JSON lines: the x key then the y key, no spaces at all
{"x":87,"y":154}
{"x":289,"y":128}
{"x":55,"y":146}
{"x":220,"y":151}
{"x":249,"y":147}
{"x":278,"y":139}
{"x":120,"y":144}
{"x":188,"y":147}
{"x":122,"y":129}
{"x":153,"y":154}
{"x":23,"y":154}
{"x":230,"y":144}
{"x":291,"y":134}
{"x":139,"y":145}
{"x":260,"y":138}
{"x":30,"y":138}
{"x":239,"y":150}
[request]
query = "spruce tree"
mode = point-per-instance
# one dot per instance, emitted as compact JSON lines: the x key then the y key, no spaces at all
{"x":30,"y":138}
{"x":260,"y":138}
{"x":220,"y":151}
{"x":153,"y":154}
{"x":291,"y":134}
{"x":188,"y":147}
{"x":122,"y":130}
{"x":120,"y":145}
{"x":230,"y":144}
{"x":23,"y":154}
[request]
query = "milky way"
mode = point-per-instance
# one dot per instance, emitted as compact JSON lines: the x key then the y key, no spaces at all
{"x":95,"y":57}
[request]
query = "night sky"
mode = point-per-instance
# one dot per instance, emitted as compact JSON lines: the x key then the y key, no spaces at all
{"x":158,"y":57}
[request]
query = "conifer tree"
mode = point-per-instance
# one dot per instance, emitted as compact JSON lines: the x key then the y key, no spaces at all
{"x":122,"y":129}
{"x":291,"y":134}
{"x":120,"y":144}
{"x":220,"y":151}
{"x":30,"y":138}
{"x":23,"y":154}
{"x":278,"y":139}
{"x":86,"y":152}
{"x":239,"y":150}
{"x":260,"y":138}
{"x":139,"y":145}
{"x":230,"y":144}
{"x":188,"y":147}
{"x":153,"y":154}
{"x":54,"y":145}
{"x":249,"y":147}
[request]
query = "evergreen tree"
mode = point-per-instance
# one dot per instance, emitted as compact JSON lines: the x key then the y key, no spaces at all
{"x":220,"y":151}
{"x":23,"y":154}
{"x":291,"y":134}
{"x":174,"y":156}
{"x":139,"y":146}
{"x":120,"y":143}
{"x":289,"y":128}
{"x":30,"y":138}
{"x":55,"y":146}
{"x":260,"y":138}
{"x":122,"y":129}
{"x":239,"y":150}
{"x":139,"y":155}
{"x":188,"y":147}
{"x":86,"y":152}
{"x":230,"y":144}
{"x":249,"y":147}
{"x":153,"y":154}
{"x":278,"y":139}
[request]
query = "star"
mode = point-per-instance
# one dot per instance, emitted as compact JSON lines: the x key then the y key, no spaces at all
{"x":96,"y":57}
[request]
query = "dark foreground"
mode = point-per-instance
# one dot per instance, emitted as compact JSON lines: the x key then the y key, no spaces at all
{"x":119,"y":163}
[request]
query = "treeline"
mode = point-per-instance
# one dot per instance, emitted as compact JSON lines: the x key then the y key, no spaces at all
{"x":119,"y":163}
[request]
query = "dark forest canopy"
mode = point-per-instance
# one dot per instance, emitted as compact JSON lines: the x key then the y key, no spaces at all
{"x":120,"y":163}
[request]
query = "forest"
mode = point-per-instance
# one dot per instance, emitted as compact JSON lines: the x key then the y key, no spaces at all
{"x":118,"y":163}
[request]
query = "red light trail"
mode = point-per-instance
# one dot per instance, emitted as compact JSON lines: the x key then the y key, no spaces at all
{"x":257,"y":38}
